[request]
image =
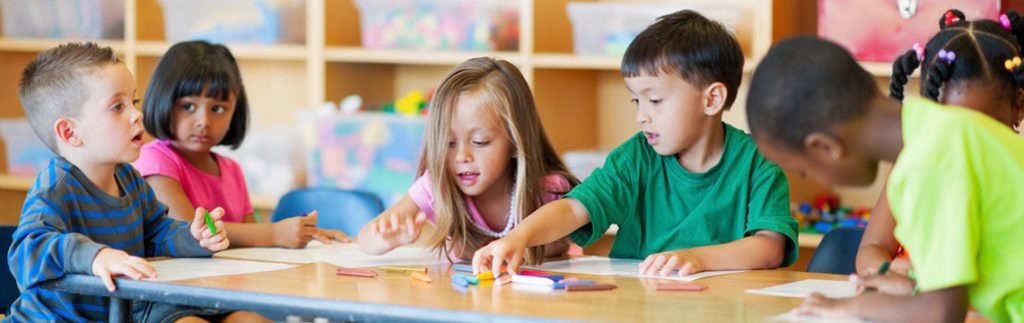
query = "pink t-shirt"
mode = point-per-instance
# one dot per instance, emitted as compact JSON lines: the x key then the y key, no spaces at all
{"x":422,"y":194}
{"x":204,"y":190}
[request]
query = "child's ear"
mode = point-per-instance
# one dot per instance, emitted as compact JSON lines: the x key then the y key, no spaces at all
{"x":715,"y":96}
{"x":65,"y":129}
{"x":824,"y":147}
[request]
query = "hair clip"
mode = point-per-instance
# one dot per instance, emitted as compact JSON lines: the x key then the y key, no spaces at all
{"x":920,"y":52}
{"x":1005,"y":21}
{"x":947,"y":56}
{"x":951,"y":17}
{"x":1013,"y":63}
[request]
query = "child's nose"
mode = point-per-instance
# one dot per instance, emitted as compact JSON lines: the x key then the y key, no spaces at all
{"x":462,"y":154}
{"x":641,"y":116}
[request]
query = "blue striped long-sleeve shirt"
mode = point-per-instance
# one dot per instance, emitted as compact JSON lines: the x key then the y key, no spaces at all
{"x":65,"y":222}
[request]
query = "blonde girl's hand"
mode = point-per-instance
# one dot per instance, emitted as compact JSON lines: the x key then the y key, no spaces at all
{"x":294,"y":232}
{"x":667,"y":263}
{"x":508,"y":249}
{"x":110,"y":262}
{"x":201,"y":230}
{"x":399,"y":230}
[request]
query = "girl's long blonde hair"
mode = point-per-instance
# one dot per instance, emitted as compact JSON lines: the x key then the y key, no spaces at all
{"x":500,"y":87}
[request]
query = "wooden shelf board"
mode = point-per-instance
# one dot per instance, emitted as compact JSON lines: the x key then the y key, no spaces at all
{"x":35,"y":45}
{"x":240,"y":51}
{"x":409,"y":57}
{"x":15,"y":182}
{"x":605,"y":63}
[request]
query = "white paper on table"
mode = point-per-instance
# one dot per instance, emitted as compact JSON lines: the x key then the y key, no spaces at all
{"x":188,"y":268}
{"x":605,"y":266}
{"x":338,"y":254}
{"x":804,"y":288}
{"x":792,"y":316}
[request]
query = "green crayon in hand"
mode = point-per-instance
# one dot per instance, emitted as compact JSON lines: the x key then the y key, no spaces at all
{"x":209,"y":223}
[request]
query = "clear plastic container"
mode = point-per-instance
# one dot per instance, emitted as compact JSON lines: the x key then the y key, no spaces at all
{"x":479,"y":25}
{"x":607,"y":29}
{"x":26,"y":154}
{"x":235,"y":21}
{"x":73,"y":19}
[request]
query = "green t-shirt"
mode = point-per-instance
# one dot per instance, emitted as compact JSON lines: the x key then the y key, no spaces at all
{"x":660,"y":206}
{"x":955,"y":192}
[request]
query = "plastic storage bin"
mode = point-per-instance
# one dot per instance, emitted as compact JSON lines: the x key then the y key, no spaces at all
{"x":76,"y":19}
{"x":26,"y":154}
{"x":370,"y":151}
{"x":482,"y":25}
{"x":235,"y":21}
{"x":608,"y":28}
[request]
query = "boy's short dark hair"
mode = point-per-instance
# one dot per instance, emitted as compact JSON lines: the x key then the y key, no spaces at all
{"x":804,"y":85}
{"x":701,"y":50}
{"x":53,"y":85}
{"x":186,"y":69}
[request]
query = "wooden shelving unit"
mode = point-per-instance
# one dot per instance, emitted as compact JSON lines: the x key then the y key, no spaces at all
{"x":582,"y":100}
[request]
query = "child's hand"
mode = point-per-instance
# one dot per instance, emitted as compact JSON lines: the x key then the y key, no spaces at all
{"x":900,"y":266}
{"x":201,"y":231}
{"x":328,"y":235}
{"x":295,"y":232}
{"x":399,"y":230}
{"x":819,"y":305}
{"x":491,"y":256}
{"x":664,"y":263}
{"x":891,"y":283}
{"x":111,"y":262}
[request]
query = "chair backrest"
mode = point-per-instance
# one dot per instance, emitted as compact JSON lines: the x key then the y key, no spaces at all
{"x":338,"y":209}
{"x":837,"y":253}
{"x":8,"y":287}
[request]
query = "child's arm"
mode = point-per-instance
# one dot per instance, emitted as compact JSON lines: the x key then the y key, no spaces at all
{"x":878,"y":244}
{"x":43,"y":246}
{"x":764,"y":249}
{"x":550,"y":223}
{"x":294,"y":232}
{"x":399,"y":225}
{"x":165,"y":236}
{"x":943,"y":305}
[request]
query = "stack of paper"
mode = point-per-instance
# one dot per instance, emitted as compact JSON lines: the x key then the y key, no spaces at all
{"x":339,"y":254}
{"x":605,"y":266}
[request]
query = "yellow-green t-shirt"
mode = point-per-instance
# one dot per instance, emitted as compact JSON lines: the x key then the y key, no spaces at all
{"x":957,"y":194}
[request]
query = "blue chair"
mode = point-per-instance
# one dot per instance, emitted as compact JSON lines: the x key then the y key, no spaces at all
{"x":337,"y":209}
{"x":8,"y":287}
{"x":837,"y":253}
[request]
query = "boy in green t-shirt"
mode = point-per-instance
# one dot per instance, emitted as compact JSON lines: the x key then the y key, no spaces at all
{"x":689,"y":192}
{"x":953,"y":190}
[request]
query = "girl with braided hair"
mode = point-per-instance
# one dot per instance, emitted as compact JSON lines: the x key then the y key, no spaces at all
{"x":972,"y":64}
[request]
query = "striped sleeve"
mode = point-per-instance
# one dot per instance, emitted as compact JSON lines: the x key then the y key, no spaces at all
{"x":44,"y":248}
{"x":165,"y":236}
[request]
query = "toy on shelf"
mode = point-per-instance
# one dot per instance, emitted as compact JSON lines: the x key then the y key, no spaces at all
{"x":411,"y":104}
{"x":826,"y":213}
{"x":478,"y":25}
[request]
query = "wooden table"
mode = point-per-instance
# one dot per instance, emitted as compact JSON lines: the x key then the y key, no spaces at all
{"x":314,"y":290}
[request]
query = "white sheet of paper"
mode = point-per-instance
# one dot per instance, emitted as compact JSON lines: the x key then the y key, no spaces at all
{"x":187,"y":268}
{"x":804,"y":288}
{"x":792,"y":316}
{"x":338,"y":254}
{"x":605,"y":266}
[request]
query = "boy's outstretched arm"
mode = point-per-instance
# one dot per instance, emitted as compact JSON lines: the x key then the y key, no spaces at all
{"x":943,"y":305}
{"x":548,"y":224}
{"x":763,"y":249}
